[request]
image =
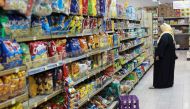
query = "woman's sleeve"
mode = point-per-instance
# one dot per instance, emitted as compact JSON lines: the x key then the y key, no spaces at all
{"x":162,"y":45}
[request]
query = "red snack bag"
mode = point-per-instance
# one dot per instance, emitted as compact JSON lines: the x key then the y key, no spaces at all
{"x":85,"y":7}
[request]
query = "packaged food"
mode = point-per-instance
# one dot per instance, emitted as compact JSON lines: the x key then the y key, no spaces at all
{"x":83,"y":44}
{"x":92,"y":7}
{"x":51,"y":49}
{"x":2,"y":3}
{"x":85,"y":7}
{"x":74,"y":8}
{"x":26,"y":57}
{"x":7,"y":54}
{"x":73,"y":47}
{"x":66,"y":6}
{"x":32,"y":86}
{"x":6,"y":87}
{"x":78,"y":24}
{"x":36,"y":27}
{"x":48,"y":83}
{"x":19,"y":5}
{"x":75,"y":70}
{"x":61,"y":48}
{"x":14,"y":91}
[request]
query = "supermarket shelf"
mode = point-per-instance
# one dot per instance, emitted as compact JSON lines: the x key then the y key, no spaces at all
{"x":179,"y":24}
{"x":131,"y":47}
{"x":36,"y":101}
{"x":13,"y":70}
{"x":67,"y":60}
{"x":118,"y":69}
{"x":12,"y":101}
{"x":128,"y":38}
{"x":122,"y":77}
{"x":113,"y":105}
{"x":27,"y":39}
{"x":93,"y":72}
{"x":86,"y":99}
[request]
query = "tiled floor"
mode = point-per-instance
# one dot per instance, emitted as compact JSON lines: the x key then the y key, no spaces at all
{"x":177,"y":97}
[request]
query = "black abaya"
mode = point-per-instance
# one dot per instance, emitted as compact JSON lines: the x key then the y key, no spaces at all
{"x":164,"y":67}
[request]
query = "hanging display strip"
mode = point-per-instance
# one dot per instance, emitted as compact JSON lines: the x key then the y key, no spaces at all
{"x":12,"y":101}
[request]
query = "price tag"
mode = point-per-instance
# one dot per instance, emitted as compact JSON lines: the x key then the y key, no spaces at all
{"x":34,"y":38}
{"x":13,"y":101}
{"x":70,"y":60}
{"x":66,"y":36}
{"x":45,"y":99}
{"x":46,"y":68}
{"x":57,"y":64}
{"x":16,"y":70}
{"x":35,"y":104}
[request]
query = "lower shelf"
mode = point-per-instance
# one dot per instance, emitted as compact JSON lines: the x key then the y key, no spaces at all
{"x":115,"y":103}
{"x":36,"y":101}
{"x":12,"y":101}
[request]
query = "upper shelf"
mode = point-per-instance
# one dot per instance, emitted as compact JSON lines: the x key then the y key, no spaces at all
{"x":167,"y":18}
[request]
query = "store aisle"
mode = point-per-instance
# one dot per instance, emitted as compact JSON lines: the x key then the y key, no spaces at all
{"x":177,"y":97}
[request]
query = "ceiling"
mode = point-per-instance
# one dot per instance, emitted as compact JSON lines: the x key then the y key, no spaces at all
{"x":148,"y":3}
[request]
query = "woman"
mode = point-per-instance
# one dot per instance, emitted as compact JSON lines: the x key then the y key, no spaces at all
{"x":165,"y":57}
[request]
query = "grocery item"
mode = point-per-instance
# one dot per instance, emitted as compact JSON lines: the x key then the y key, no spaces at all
{"x":19,"y":5}
{"x":42,"y":8}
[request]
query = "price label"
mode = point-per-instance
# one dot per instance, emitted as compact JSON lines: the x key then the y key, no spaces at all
{"x":35,"y":104}
{"x":34,"y":38}
{"x":13,"y":101}
{"x":16,"y":70}
{"x":45,"y":99}
{"x":66,"y":36}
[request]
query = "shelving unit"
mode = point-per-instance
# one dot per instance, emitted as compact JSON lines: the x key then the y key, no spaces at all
{"x":102,"y":25}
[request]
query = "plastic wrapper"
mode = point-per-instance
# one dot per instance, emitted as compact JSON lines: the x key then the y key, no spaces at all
{"x":85,"y":7}
{"x":42,"y":8}
{"x":74,"y":8}
{"x":18,"y":5}
{"x":92,"y":7}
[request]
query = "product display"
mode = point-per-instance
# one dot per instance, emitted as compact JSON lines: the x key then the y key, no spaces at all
{"x":70,"y":54}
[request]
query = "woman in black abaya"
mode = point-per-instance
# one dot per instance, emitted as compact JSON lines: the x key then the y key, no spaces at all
{"x":165,"y":57}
